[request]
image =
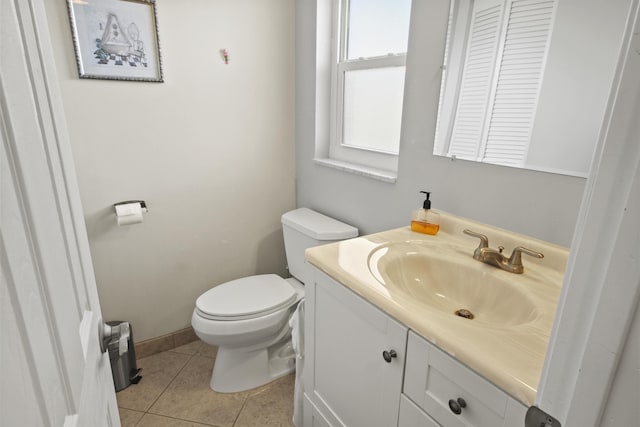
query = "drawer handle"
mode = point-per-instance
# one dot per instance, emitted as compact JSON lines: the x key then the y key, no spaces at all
{"x":388,"y":355}
{"x":457,"y":405}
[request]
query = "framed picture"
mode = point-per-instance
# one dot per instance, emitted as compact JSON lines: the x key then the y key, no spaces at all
{"x":116,"y":39}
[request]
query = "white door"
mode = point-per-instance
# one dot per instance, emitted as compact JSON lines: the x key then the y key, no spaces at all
{"x":52,"y":371}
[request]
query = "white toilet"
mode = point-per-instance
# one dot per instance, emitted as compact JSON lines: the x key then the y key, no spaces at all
{"x":248,"y":318}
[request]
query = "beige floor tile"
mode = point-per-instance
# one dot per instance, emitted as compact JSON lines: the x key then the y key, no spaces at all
{"x":207,"y":350}
{"x":198,"y":347}
{"x":157,"y":372}
{"x":269,"y":406}
{"x":191,"y":348}
{"x":190,"y":398}
{"x":129,"y":418}
{"x":151,"y":420}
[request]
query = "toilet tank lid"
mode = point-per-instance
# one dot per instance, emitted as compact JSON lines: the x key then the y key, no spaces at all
{"x":318,"y":226}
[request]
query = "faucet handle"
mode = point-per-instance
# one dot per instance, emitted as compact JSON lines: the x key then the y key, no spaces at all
{"x":515,"y":260}
{"x":484,"y":240}
{"x":484,"y":243}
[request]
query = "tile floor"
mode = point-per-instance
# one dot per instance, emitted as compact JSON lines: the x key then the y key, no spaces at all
{"x":174,"y":392}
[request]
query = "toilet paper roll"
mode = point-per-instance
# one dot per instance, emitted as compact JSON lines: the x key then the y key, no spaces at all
{"x":129,"y":213}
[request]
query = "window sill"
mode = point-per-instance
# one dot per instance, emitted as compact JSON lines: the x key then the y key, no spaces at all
{"x":368,"y":172}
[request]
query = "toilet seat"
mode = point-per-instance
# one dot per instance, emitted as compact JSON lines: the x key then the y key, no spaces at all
{"x":246,"y":298}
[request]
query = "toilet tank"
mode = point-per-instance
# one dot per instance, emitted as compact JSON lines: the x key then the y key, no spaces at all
{"x":304,"y":228}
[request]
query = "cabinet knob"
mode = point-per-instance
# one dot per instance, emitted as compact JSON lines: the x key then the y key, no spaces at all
{"x":457,"y":405}
{"x":388,"y":355}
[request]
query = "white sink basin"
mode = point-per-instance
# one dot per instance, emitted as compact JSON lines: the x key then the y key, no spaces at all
{"x":445,"y":280}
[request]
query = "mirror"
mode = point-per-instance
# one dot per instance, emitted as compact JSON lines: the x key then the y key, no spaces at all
{"x":525,"y":83}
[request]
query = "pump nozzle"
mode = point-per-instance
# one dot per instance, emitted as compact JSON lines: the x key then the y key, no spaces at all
{"x":427,"y":202}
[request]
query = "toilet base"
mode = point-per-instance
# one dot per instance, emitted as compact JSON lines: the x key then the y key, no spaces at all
{"x":238,"y":369}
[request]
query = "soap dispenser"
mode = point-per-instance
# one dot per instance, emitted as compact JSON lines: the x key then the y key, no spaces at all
{"x":425,"y":220}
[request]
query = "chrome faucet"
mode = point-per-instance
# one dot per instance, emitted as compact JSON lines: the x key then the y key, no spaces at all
{"x":495,"y":257}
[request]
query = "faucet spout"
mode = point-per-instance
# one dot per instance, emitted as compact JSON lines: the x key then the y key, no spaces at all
{"x":495,"y":257}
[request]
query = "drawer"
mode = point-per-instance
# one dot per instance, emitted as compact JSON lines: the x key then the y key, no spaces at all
{"x":433,"y":379}
{"x":412,"y":416}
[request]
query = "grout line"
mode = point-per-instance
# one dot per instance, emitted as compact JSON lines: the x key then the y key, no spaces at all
{"x":186,"y":421}
{"x":240,"y":411}
{"x":191,"y":356}
{"x":172,"y":380}
{"x":166,"y":387}
{"x":140,"y":419}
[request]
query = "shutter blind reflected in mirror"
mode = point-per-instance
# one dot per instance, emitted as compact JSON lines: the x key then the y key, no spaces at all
{"x":477,"y":77}
{"x":518,"y":83}
{"x":500,"y":84}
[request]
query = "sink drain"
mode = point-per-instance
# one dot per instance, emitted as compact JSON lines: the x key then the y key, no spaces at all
{"x":463,"y":312}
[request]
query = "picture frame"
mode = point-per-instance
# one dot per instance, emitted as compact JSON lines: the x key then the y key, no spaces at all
{"x":116,"y":39}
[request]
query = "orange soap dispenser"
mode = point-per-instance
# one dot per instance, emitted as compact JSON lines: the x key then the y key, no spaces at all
{"x":425,"y":220}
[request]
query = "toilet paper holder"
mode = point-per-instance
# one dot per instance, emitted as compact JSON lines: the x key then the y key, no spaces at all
{"x":130,"y":212}
{"x":142,"y":203}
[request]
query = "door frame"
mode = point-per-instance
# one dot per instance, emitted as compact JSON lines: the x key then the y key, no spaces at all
{"x":601,"y":288}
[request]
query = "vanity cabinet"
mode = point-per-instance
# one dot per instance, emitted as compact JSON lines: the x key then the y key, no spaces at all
{"x":354,"y":359}
{"x":363,"y":368}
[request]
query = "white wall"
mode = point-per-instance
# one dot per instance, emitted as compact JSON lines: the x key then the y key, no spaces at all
{"x":539,"y":204}
{"x":211,"y":150}
{"x":584,"y":49}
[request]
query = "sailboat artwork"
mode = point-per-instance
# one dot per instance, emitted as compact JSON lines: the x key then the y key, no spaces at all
{"x":120,"y":47}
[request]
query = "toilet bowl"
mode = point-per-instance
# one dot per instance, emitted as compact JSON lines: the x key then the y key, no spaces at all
{"x":248,"y":318}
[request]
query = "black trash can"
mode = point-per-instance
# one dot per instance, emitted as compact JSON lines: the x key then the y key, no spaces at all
{"x":124,"y":367}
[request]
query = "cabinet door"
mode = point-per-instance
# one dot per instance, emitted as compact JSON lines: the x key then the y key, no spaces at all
{"x":312,"y":415}
{"x":351,"y":382}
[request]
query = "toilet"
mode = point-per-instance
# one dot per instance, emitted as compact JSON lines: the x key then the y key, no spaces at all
{"x":248,"y":318}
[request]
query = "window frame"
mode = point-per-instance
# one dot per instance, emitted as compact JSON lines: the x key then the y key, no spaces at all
{"x":338,"y":151}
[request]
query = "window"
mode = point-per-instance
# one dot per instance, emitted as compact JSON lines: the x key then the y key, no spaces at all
{"x":367,"y":83}
{"x":493,"y":72}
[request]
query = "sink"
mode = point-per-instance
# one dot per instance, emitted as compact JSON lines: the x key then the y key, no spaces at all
{"x":442,"y":279}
